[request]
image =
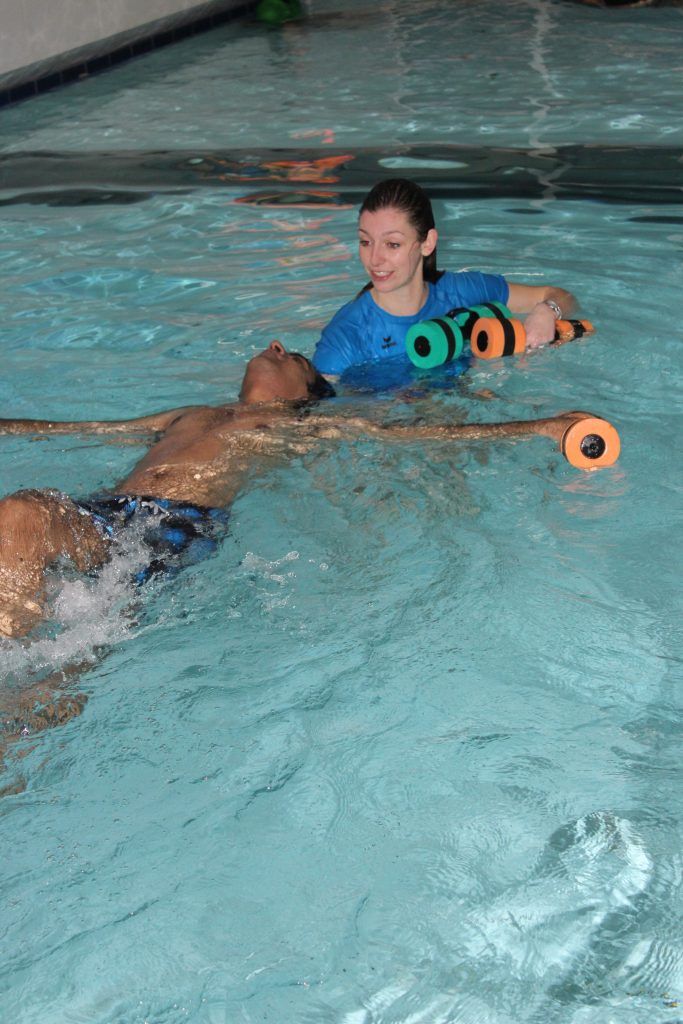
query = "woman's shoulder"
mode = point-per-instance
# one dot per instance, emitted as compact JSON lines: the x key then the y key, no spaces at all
{"x":341,"y":343}
{"x":353,"y":311}
{"x":469,"y":287}
{"x":449,"y":279}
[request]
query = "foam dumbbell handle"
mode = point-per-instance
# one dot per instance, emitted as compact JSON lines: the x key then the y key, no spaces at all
{"x":468,"y":317}
{"x":493,"y":338}
{"x":568,"y":330}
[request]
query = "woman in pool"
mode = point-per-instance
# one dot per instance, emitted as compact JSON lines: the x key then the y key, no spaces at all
{"x":397,"y":242}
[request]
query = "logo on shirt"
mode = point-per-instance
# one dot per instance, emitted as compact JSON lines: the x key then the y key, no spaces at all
{"x":387,"y":342}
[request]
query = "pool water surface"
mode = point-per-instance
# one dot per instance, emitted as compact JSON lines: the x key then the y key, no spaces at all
{"x":407,"y":747}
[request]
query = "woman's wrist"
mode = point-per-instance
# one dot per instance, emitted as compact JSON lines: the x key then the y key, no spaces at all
{"x":555,"y":306}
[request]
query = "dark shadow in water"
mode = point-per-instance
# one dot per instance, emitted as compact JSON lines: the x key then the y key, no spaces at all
{"x":302,"y":177}
{"x":629,"y":3}
{"x":657,"y":220}
{"x":83,"y":197}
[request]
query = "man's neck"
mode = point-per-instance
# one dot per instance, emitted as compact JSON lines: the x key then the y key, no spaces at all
{"x":256,"y":397}
{"x":254,"y":400}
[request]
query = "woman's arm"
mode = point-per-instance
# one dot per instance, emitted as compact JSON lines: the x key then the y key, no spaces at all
{"x":538,"y":303}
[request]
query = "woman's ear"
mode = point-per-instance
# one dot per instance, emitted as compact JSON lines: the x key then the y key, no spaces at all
{"x":429,"y":244}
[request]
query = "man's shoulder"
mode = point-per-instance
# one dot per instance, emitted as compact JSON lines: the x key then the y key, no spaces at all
{"x":200,"y":418}
{"x":187,"y":412}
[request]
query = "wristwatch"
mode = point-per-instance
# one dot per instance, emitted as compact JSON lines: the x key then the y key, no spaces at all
{"x":554,"y":306}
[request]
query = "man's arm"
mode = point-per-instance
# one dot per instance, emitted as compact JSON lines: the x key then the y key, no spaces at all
{"x":154,"y":424}
{"x":553,"y":427}
{"x":586,"y":441}
{"x":540,"y":318}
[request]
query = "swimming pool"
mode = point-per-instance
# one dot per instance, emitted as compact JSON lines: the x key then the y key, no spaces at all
{"x":406,"y":748}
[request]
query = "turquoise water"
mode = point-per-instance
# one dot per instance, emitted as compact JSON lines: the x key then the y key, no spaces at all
{"x":407,"y":748}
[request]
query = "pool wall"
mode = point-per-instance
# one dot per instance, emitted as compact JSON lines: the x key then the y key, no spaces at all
{"x":42,"y":46}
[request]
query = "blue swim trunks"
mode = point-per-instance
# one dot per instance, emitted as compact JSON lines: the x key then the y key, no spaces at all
{"x":178,"y":533}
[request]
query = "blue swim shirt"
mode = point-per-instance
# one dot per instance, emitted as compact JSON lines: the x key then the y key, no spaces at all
{"x":362,"y":332}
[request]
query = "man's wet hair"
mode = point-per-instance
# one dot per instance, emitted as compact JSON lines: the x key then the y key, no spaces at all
{"x":319,"y":387}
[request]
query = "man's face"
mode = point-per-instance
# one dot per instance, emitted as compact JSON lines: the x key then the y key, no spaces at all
{"x":276,"y":373}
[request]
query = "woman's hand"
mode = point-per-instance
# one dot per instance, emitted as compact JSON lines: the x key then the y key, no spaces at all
{"x":539,"y":325}
{"x":540,"y":320}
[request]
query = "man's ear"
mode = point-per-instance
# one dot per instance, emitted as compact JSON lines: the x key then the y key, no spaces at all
{"x":429,"y":244}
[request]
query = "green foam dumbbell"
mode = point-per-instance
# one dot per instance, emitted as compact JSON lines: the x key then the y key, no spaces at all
{"x":435,"y":342}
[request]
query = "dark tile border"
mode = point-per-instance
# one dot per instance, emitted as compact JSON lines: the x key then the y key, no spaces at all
{"x":103,"y":62}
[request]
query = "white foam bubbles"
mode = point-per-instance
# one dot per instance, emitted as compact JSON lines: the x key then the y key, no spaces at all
{"x":85,"y":614}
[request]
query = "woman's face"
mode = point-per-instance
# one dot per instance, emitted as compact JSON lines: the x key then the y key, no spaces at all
{"x":390,"y":249}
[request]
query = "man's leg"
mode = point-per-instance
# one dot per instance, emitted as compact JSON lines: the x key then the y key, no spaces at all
{"x":37,"y":528}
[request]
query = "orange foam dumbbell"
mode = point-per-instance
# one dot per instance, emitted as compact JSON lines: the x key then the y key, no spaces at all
{"x":590,"y":443}
{"x":495,"y":337}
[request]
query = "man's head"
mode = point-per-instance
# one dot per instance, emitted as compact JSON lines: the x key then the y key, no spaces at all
{"x":276,"y":374}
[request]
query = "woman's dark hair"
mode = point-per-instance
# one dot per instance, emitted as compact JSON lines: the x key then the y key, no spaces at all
{"x":403,"y":194}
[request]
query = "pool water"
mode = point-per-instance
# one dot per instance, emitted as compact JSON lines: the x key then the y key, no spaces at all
{"x":407,"y":748}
